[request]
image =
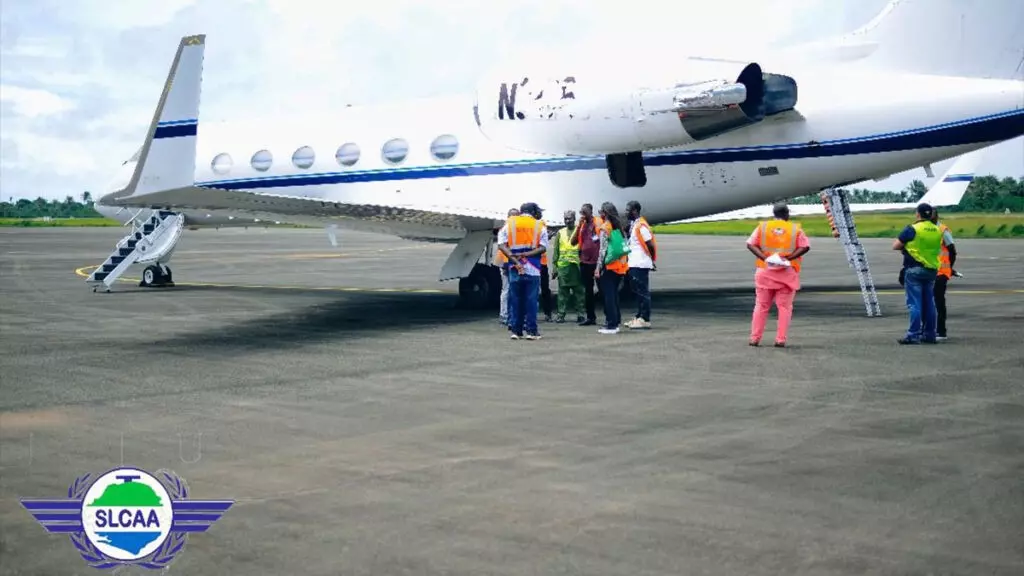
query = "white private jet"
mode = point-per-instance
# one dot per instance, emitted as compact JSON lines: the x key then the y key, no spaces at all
{"x":686,"y":137}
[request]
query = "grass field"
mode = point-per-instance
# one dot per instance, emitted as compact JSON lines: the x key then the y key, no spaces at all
{"x":868,"y":225}
{"x":963,"y":225}
{"x":63,"y":222}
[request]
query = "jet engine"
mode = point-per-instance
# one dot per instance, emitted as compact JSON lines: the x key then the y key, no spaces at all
{"x":596,"y":114}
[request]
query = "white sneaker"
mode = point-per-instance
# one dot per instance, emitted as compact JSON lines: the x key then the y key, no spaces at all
{"x":532,"y":336}
{"x":638,"y":323}
{"x":608,"y":331}
{"x":942,"y":338}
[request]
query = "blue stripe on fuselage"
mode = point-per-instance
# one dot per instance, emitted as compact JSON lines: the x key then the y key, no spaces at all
{"x":996,"y":127}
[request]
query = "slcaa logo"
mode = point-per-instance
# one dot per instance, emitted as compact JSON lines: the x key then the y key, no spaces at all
{"x":128,"y":516}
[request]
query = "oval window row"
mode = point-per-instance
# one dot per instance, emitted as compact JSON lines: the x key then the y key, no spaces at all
{"x":394,"y":151}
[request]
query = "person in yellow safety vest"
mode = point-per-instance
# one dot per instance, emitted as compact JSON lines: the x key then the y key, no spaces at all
{"x":643,"y":253}
{"x":779,"y":246}
{"x":567,"y":271}
{"x":947,"y":258}
{"x":921,"y":244}
{"x":502,"y":261}
{"x":523,"y":239}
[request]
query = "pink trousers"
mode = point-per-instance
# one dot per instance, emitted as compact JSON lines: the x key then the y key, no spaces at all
{"x":783,"y":299}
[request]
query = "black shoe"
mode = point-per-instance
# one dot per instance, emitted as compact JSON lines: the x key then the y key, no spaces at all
{"x":580,"y":319}
{"x":560,"y":320}
{"x":933,"y":341}
{"x":547,"y":318}
{"x":907,"y":341}
{"x":588,"y":322}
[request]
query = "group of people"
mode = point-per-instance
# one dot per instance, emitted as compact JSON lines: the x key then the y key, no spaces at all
{"x":928,"y":257}
{"x":603,"y":249}
{"x":606,"y":248}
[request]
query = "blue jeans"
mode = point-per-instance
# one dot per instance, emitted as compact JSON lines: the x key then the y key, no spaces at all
{"x":523,"y":293}
{"x":640,"y":280}
{"x":610,"y":291}
{"x":919,"y":285}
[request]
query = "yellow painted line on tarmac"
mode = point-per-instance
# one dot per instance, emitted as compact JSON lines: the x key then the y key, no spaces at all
{"x":901,"y":292}
{"x":84,"y":272}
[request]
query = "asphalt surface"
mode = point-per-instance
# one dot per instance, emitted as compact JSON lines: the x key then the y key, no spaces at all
{"x":365,"y":425}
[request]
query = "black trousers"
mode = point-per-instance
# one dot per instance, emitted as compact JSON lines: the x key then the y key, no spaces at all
{"x":940,"y":303}
{"x":545,"y":290}
{"x":587,"y":272}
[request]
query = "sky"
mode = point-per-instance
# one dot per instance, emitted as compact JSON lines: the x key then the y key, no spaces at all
{"x":79,"y":79}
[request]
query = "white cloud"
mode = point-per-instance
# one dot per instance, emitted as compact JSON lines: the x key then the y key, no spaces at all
{"x":34,"y":103}
{"x":80,"y":79}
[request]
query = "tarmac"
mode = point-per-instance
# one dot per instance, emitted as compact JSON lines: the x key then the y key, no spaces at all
{"x":364,"y":424}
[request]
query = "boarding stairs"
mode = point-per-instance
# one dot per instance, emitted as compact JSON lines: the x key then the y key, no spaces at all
{"x":837,"y":208}
{"x":150,"y":241}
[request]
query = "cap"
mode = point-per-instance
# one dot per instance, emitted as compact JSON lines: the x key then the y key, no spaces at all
{"x":925,"y":209}
{"x":532,"y":209}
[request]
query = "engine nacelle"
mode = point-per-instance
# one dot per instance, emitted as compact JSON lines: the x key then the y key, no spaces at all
{"x":595,"y":114}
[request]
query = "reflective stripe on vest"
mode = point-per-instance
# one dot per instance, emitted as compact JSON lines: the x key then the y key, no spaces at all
{"x":640,"y":238}
{"x":926,"y":244}
{"x":567,"y":253}
{"x":944,"y":267}
{"x":524,"y":235}
{"x":779,"y":237}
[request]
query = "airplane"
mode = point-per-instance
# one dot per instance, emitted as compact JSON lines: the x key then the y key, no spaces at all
{"x":686,"y":136}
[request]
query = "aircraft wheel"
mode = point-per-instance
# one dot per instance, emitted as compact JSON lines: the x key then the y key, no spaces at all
{"x":152,"y":276}
{"x":475,"y":289}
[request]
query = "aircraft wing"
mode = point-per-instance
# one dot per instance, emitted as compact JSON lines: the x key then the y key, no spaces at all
{"x":421,"y":222}
{"x":946,"y":191}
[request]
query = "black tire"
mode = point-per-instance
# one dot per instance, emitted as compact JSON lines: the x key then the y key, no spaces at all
{"x":475,"y":290}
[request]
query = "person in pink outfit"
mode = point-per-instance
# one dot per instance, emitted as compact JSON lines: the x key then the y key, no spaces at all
{"x":778,"y":245}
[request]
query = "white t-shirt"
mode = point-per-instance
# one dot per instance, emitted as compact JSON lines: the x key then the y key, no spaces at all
{"x":529,"y":269}
{"x":638,"y":257}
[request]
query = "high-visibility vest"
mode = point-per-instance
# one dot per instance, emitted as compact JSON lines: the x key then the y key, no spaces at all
{"x":642,"y":222}
{"x":926,"y":244}
{"x":524,"y":235}
{"x":499,"y":258}
{"x":544,"y":259}
{"x":779,"y":237}
{"x":567,"y":253}
{"x":945,"y":269}
{"x":621,"y":265}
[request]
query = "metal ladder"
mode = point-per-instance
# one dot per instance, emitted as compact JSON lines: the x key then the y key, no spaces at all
{"x":837,"y":207}
{"x":150,"y":241}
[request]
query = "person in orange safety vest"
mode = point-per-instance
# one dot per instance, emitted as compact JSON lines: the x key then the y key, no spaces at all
{"x":779,"y":246}
{"x":947,"y":257}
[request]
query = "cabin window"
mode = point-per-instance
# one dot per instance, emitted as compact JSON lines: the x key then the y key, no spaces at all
{"x":444,"y":147}
{"x":261,"y":160}
{"x":221,"y":163}
{"x":347,"y":154}
{"x":395,"y":150}
{"x":304,"y":157}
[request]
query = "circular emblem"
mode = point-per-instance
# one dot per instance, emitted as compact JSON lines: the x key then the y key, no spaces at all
{"x":127,"y":514}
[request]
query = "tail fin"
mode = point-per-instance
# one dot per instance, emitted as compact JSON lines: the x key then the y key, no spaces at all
{"x":950,"y":189}
{"x":972,"y":38}
{"x":167,"y":159}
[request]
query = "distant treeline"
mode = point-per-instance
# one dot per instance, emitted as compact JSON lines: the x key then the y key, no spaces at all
{"x":985,"y":194}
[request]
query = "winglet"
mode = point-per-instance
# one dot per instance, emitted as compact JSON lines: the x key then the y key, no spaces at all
{"x":167,"y":159}
{"x":950,"y":189}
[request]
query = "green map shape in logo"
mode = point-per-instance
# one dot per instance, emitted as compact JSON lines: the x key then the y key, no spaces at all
{"x":127,"y":494}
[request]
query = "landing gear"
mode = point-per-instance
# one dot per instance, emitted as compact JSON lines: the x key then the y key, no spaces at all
{"x":481,"y":289}
{"x":156,"y":276}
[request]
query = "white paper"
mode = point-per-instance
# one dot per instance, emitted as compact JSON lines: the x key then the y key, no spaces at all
{"x":776,"y":260}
